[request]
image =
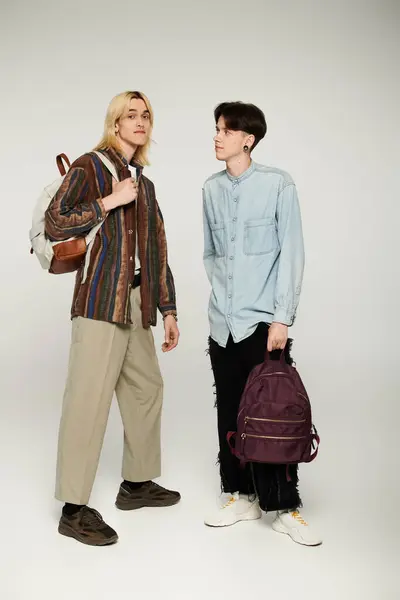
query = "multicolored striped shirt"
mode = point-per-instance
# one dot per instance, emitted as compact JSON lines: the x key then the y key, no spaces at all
{"x":77,"y":208}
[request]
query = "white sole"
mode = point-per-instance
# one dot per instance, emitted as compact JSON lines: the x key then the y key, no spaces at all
{"x":238,"y":520}
{"x":279,"y":528}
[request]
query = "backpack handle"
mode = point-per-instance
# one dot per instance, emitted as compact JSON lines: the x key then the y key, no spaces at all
{"x":282,"y":358}
{"x":59,"y":160}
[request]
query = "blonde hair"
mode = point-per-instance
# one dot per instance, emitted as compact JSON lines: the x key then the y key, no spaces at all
{"x":117,"y":107}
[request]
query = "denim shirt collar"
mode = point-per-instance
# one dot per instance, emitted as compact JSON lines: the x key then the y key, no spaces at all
{"x":243,"y":176}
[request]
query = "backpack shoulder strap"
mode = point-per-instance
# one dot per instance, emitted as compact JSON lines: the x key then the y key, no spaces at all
{"x":93,"y":232}
{"x":108,"y":164}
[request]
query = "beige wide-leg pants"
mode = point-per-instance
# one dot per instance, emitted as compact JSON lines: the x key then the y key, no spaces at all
{"x":104,"y":358}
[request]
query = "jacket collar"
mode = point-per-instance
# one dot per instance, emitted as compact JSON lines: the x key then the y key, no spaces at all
{"x":120,"y":161}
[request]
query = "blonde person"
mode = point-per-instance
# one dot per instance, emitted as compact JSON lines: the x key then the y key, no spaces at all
{"x":127,"y":280}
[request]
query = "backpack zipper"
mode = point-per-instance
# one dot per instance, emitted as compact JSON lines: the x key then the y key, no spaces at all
{"x":271,"y":375}
{"x":274,"y":373}
{"x":272,"y":437}
{"x":247,"y":419}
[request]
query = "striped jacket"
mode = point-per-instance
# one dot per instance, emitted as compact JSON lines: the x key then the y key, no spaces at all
{"x":77,"y":207}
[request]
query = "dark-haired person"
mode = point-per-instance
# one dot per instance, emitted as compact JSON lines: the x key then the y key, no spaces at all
{"x":254,"y":258}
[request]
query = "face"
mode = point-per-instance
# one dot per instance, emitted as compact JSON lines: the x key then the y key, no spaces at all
{"x":134,"y":126}
{"x":228,"y":143}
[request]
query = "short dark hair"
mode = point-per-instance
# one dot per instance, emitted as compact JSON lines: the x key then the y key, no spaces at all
{"x":243,"y":117}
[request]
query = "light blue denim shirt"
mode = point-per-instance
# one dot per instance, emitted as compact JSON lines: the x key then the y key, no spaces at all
{"x":253,"y":250}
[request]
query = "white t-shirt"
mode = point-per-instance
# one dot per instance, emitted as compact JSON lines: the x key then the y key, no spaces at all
{"x":137,"y":260}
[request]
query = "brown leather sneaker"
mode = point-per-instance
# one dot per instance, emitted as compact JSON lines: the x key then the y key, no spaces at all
{"x":149,"y":494}
{"x":87,"y":526}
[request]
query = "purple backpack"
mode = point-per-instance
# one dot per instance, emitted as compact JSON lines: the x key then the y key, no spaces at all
{"x":274,"y":423}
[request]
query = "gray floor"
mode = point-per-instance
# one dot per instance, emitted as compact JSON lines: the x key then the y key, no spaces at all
{"x":169,"y":552}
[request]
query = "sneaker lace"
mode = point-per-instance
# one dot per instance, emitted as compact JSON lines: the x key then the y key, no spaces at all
{"x":296,"y":515}
{"x":92,"y":517}
{"x":229,"y":502}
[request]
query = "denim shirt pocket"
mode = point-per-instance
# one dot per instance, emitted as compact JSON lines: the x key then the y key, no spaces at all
{"x":219,"y":238}
{"x":260,"y":237}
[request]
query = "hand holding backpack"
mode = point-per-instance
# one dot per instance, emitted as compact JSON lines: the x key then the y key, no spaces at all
{"x":66,"y":256}
{"x":274,"y":422}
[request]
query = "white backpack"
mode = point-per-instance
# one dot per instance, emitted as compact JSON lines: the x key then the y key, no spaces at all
{"x":40,"y":245}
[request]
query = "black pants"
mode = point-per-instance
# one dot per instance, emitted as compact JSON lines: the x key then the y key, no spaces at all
{"x":231,"y":367}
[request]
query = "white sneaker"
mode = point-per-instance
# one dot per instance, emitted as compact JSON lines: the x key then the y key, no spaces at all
{"x":234,"y":508}
{"x":293,"y":524}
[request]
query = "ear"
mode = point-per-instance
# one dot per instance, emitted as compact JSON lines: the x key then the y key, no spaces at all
{"x":250,"y":139}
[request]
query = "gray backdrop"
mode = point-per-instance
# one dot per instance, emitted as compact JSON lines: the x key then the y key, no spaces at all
{"x":326,"y":75}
